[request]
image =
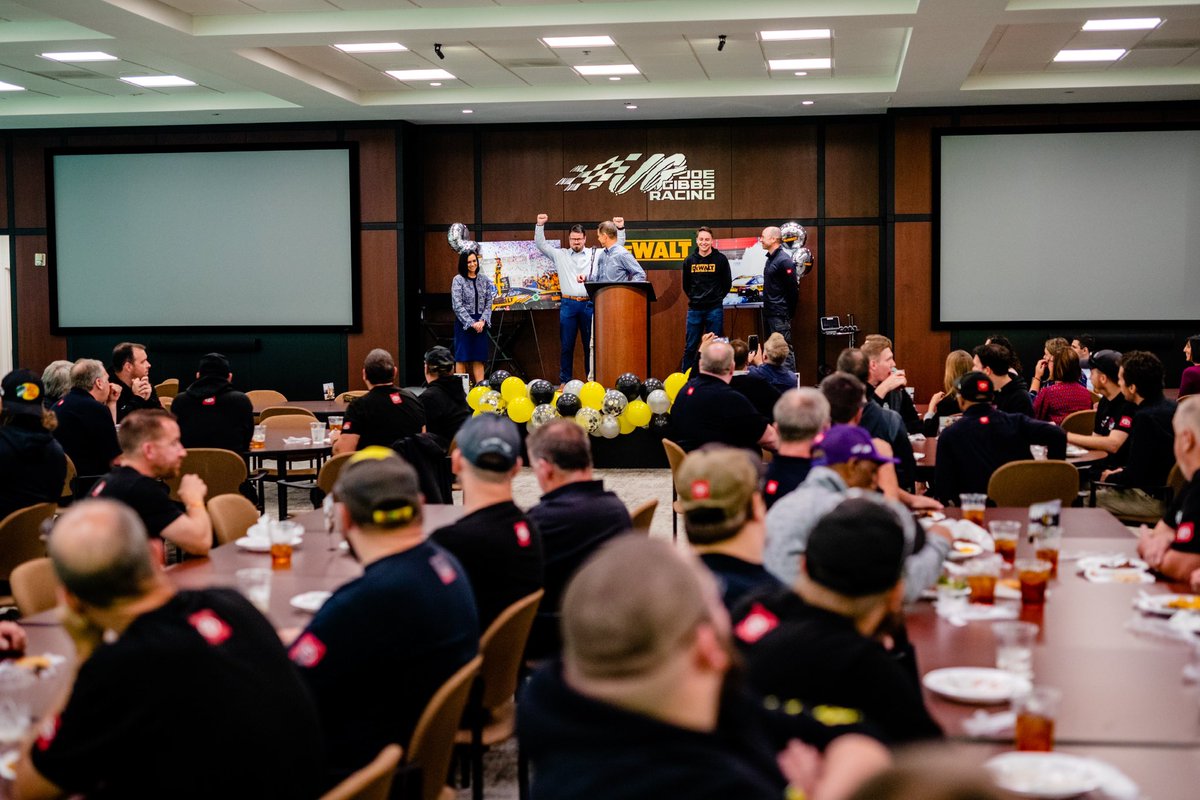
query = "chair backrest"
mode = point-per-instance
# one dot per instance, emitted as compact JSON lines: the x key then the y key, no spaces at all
{"x":1021,"y":483}
{"x":432,"y":743}
{"x":265,"y":397}
{"x":643,"y":514}
{"x":223,"y":471}
{"x":330,"y":471}
{"x":68,"y":489}
{"x":168,"y":388}
{"x":290,"y":424}
{"x":1080,"y":422}
{"x":1175,"y":480}
{"x":675,"y":456}
{"x":277,"y":411}
{"x":372,"y":782}
{"x":34,"y":586}
{"x":166,"y":402}
{"x":346,"y":397}
{"x":232,"y":515}
{"x":21,"y":536}
{"x":503,"y":646}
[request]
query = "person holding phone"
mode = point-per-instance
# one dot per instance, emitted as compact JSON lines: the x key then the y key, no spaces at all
{"x":706,"y":281}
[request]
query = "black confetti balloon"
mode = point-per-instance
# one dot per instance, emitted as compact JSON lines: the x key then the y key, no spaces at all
{"x":541,"y":391}
{"x":660,"y":422}
{"x":568,"y":405}
{"x":629,"y":385}
{"x":649,"y":386}
{"x":497,"y":378}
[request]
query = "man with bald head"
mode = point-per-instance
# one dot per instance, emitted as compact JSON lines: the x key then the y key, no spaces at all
{"x":138,"y":641}
{"x":781,"y":290}
{"x":708,"y":409}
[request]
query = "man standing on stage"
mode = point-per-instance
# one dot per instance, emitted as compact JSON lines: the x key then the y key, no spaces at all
{"x":706,"y":281}
{"x":614,"y":262}
{"x":781,"y":290}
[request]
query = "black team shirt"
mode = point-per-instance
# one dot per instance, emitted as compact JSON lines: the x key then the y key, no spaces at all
{"x":383,"y":415}
{"x":151,"y":499}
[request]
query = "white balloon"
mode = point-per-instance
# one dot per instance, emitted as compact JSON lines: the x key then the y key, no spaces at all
{"x":610,"y":428}
{"x":658,"y":401}
{"x":573,"y":387}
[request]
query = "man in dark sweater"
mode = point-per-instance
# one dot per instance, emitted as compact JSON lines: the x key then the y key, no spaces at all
{"x":87,"y":419}
{"x":211,"y":413}
{"x":32,"y":465}
{"x":444,"y":401}
{"x":801,"y":415}
{"x":761,"y":394}
{"x":706,"y":281}
{"x":1012,"y":395}
{"x":781,"y":289}
{"x":888,"y":385}
{"x":131,"y":371}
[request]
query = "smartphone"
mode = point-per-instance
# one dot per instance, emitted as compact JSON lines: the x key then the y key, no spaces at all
{"x":752,"y":342}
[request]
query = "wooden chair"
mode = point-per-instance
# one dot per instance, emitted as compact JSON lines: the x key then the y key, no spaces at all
{"x":34,"y":586}
{"x":68,"y":490}
{"x":349,"y":397}
{"x":232,"y":515}
{"x":266,"y":397}
{"x":1175,"y":480}
{"x":326,"y":477}
{"x":675,"y":456}
{"x":1080,"y":422}
{"x":493,"y":716}
{"x":276,"y":411}
{"x":21,"y":536}
{"x":168,"y":388}
{"x":166,"y":402}
{"x":223,"y":471}
{"x":432,"y":745}
{"x":372,"y":782}
{"x":643,"y":514}
{"x":1022,"y":483}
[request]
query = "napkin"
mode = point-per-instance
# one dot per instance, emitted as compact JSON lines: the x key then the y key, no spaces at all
{"x":916,"y":437}
{"x":984,"y":725}
{"x":977,"y":612}
{"x":260,"y":529}
{"x":297,"y":440}
{"x":1114,"y":784}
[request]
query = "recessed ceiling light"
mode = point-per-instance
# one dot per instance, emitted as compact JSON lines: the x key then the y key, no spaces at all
{"x":468,"y":111}
{"x":607,"y":69}
{"x":1140,"y":24}
{"x":90,"y":55}
{"x":578,"y":41}
{"x":801,"y":74}
{"x":1089,"y":55}
{"x":800,"y":63}
{"x":435,"y":83}
{"x":420,"y":74}
{"x":807,"y":102}
{"x":158,"y":81}
{"x":614,"y":77}
{"x":793,"y":36}
{"x":630,"y":106}
{"x":372,"y":47}
{"x":10,"y":87}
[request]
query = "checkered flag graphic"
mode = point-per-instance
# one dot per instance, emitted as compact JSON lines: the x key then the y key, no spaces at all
{"x":597,"y":176}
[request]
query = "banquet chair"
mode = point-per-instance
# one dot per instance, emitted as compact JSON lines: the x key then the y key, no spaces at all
{"x":493,"y":710}
{"x":1080,"y":422}
{"x":266,"y":397}
{"x":68,"y":490}
{"x":643,"y":514}
{"x":166,"y":402}
{"x":1022,"y":483}
{"x":21,"y":536}
{"x":222,"y":471}
{"x":276,"y":411}
{"x":349,"y":397}
{"x":326,"y":478}
{"x":231,"y":515}
{"x":432,"y":744}
{"x":168,"y":388}
{"x":34,"y":586}
{"x":372,"y":782}
{"x":675,"y":456}
{"x":1166,"y":493}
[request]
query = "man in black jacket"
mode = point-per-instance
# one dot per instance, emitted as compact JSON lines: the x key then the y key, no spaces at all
{"x":211,"y":413}
{"x":781,"y":290}
{"x":130,"y":369}
{"x":706,"y":281}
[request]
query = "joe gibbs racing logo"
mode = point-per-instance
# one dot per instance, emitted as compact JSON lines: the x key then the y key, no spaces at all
{"x":663,"y":177}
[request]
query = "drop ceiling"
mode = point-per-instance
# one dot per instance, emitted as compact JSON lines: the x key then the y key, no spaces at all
{"x":273,"y":60}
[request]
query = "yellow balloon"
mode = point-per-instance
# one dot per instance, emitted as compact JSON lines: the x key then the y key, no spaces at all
{"x":673,"y":384}
{"x":592,"y":395}
{"x":520,"y":409}
{"x":626,"y":425}
{"x":512,"y":388}
{"x":477,"y":392}
{"x":638,"y":413}
{"x":554,"y":402}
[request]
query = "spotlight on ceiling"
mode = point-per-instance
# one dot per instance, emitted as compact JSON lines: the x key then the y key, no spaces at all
{"x":437,"y":50}
{"x":720,"y":42}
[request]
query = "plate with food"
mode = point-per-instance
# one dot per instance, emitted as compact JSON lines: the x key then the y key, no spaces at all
{"x":1111,"y":562}
{"x":1167,"y":605}
{"x":8,"y":764}
{"x":262,"y":545}
{"x":929,"y":514}
{"x":1075,"y":451}
{"x":309,"y":601}
{"x":1117,"y":575}
{"x":978,"y":685}
{"x":1049,"y":776}
{"x":39,"y":665}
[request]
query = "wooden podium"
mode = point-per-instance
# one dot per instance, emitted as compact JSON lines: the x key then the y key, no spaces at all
{"x":621,"y":328}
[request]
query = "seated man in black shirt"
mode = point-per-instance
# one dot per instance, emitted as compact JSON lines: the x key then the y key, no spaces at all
{"x":32,"y":465}
{"x":800,"y":416}
{"x":211,"y":413}
{"x":816,"y":644}
{"x":887,"y":383}
{"x":1012,"y":395}
{"x":498,"y":546}
{"x":384,"y":414}
{"x":1111,"y":428}
{"x":151,"y":451}
{"x":723,"y":514}
{"x":444,"y":401}
{"x":708,"y":410}
{"x":642,"y":706}
{"x":381,"y":646}
{"x":757,"y":390}
{"x":130,"y":369}
{"x":87,"y":419}
{"x":1173,"y":547}
{"x":1149,"y":456}
{"x":575,"y":516}
{"x":164,"y":676}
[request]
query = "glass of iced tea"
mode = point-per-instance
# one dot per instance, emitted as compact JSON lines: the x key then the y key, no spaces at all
{"x":282,"y":534}
{"x":1005,"y":533}
{"x":259,"y":439}
{"x":1048,"y":542}
{"x":1033,"y":574}
{"x":335,"y":422}
{"x":973,"y":506}
{"x":1036,"y":712}
{"x":982,"y":573}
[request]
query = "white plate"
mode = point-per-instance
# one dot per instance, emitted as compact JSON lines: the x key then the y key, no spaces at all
{"x":1160,"y":603}
{"x":1129,"y":575}
{"x":8,"y":763}
{"x":1075,"y":451}
{"x":1109,"y":562}
{"x":983,"y":685}
{"x":961,"y":550}
{"x":1049,"y":776}
{"x":918,"y":456}
{"x":255,"y":545}
{"x":309,"y":601}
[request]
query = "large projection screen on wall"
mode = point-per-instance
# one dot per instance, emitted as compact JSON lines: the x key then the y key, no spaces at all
{"x":1083,"y":226}
{"x":222,"y":238}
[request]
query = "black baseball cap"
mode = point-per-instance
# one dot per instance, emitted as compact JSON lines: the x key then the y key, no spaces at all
{"x":1107,"y":361}
{"x":379,"y":489}
{"x":439,"y":357}
{"x":975,"y":387}
{"x":489,"y":442}
{"x":857,"y":549}
{"x":23,"y":392}
{"x":213,"y":364}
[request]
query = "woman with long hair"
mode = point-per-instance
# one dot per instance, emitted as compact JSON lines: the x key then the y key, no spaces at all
{"x":1189,"y":382}
{"x":945,"y":402}
{"x":1062,"y":393}
{"x":471,"y":295}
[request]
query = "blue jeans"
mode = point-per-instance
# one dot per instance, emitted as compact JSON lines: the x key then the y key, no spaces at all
{"x":574,"y":316}
{"x":698,"y":324}
{"x":783,"y":326}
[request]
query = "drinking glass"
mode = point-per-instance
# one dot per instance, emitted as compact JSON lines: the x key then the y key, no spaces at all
{"x":1036,"y":713}
{"x":1033,"y":574}
{"x":1005,"y":533}
{"x":1014,"y":647}
{"x":982,"y":573}
{"x":255,"y":584}
{"x":973,"y":506}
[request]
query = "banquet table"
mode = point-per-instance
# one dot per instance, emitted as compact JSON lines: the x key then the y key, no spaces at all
{"x":322,"y":409}
{"x":279,"y":451}
{"x":925,"y":452}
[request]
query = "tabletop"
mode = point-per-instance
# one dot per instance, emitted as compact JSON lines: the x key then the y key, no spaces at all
{"x":925,"y":452}
{"x":321,"y":408}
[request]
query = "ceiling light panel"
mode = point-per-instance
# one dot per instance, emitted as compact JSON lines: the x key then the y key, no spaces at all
{"x":10,"y":87}
{"x":79,"y":57}
{"x":1139,"y":24}
{"x":794,"y":36}
{"x":372,"y":47}
{"x":606,"y":69}
{"x":578,"y":41}
{"x":420,"y":74}
{"x":800,"y":63}
{"x":1069,"y":56}
{"x":158,"y":81}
